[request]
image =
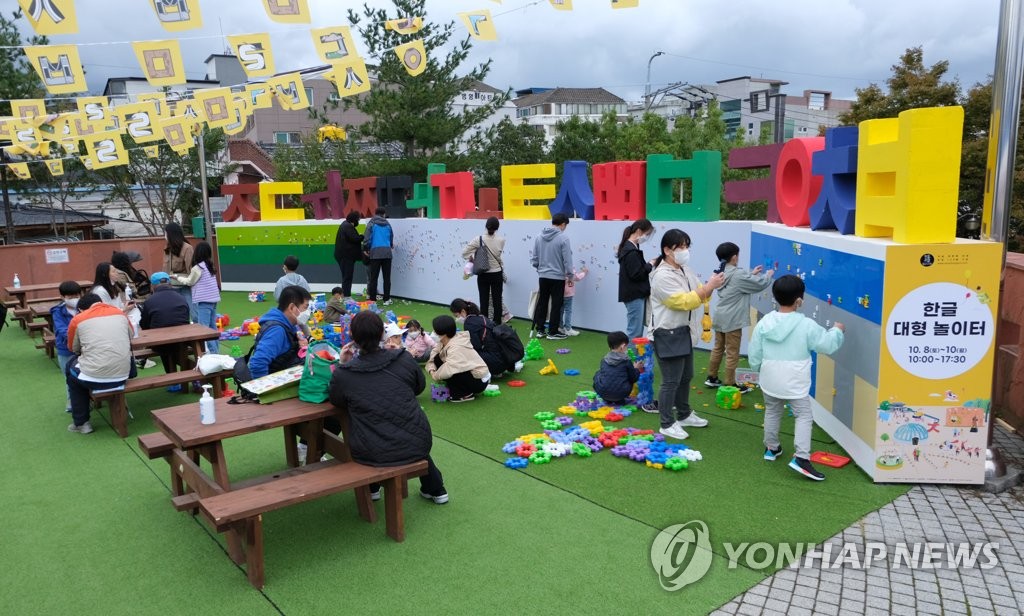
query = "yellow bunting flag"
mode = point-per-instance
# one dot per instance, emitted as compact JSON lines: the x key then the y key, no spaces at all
{"x":161,"y":62}
{"x":290,"y":91}
{"x":106,"y":149}
{"x":412,"y":56}
{"x":407,"y":25}
{"x":28,"y":109}
{"x":25,"y":139}
{"x":287,"y":11}
{"x":159,"y":99}
{"x":140,"y":121}
{"x":152,"y":151}
{"x":217,"y":105}
{"x":178,"y":133}
{"x":6,"y":125}
{"x":350,"y":76}
{"x":625,"y":4}
{"x":253,"y":51}
{"x":562,"y":5}
{"x":240,"y":105}
{"x":57,"y":127}
{"x":480,"y":25}
{"x":96,"y":112}
{"x":334,"y":43}
{"x":59,"y":66}
{"x":20,"y":170}
{"x":261,"y":96}
{"x":178,"y":15}
{"x":55,"y":167}
{"x":50,"y":16}
{"x":81,"y":126}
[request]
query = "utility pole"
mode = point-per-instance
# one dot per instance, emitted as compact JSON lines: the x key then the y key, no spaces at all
{"x":202,"y":183}
{"x":780,"y":117}
{"x":8,"y":214}
{"x":647,"y":88}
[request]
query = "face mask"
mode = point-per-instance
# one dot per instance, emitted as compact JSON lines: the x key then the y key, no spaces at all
{"x":71,"y":303}
{"x":413,"y":335}
{"x":643,"y":239}
{"x":304,"y":315}
{"x":682,"y":256}
{"x":460,"y":320}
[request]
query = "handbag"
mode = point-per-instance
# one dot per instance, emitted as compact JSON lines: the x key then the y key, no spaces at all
{"x":480,"y":261}
{"x":672,"y":343}
{"x":315,"y":384}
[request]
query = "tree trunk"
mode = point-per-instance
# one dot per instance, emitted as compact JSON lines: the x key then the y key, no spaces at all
{"x":9,"y":215}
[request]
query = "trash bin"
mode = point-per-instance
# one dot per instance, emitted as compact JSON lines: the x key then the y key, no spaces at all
{"x":199,"y":227}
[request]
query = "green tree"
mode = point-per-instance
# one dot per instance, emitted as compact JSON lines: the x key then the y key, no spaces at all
{"x":18,"y":80}
{"x":579,"y":139}
{"x":57,"y":192}
{"x":635,"y":139}
{"x":912,"y":85}
{"x":506,"y":143}
{"x":417,"y":112}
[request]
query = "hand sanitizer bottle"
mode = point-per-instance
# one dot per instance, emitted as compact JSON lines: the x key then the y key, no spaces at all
{"x":17,"y":282}
{"x":207,"y":412}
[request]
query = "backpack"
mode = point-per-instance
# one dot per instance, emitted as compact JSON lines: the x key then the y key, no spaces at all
{"x":241,"y":374}
{"x":315,"y":384}
{"x":480,"y":261}
{"x":380,"y":237}
{"x":509,"y":344}
{"x":143,"y":286}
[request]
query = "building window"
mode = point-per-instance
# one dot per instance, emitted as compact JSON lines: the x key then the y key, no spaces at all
{"x":759,"y":101}
{"x":333,"y":97}
{"x":309,"y":94}
{"x":816,"y":101}
{"x":287,"y":138}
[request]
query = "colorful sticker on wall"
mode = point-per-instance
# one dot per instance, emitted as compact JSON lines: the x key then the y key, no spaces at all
{"x":406,"y":25}
{"x":412,"y":56}
{"x":160,"y":61}
{"x":333,"y":43}
{"x":287,"y":11}
{"x":350,"y":76}
{"x":254,"y":54}
{"x":49,"y":17}
{"x":480,"y":25}
{"x":106,"y":149}
{"x":178,"y":15}
{"x":59,"y":67}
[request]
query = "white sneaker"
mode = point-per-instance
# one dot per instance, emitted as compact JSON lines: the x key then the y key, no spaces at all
{"x":570,"y":332}
{"x":376,"y":495}
{"x":693,"y":421}
{"x":674,"y":431}
{"x":302,"y":453}
{"x":388,"y":302}
{"x":518,"y":368}
{"x":85,"y":428}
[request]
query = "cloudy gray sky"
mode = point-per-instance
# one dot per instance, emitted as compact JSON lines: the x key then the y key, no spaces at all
{"x":835,"y":45}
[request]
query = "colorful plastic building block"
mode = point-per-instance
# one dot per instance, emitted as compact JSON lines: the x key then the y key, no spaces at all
{"x":516,"y":383}
{"x":563,"y":351}
{"x":516,"y":462}
{"x":540,"y":457}
{"x":676,"y":464}
{"x":728,"y":397}
{"x":543,"y":415}
{"x":571,"y":372}
{"x":526,"y":450}
{"x":439,"y":393}
{"x":549,"y":369}
{"x":511,"y":446}
{"x":533,"y":350}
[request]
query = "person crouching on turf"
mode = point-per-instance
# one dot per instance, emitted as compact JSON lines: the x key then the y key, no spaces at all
{"x":456,"y":363}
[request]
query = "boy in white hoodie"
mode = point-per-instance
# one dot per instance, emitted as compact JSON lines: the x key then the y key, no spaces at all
{"x":780,"y":348}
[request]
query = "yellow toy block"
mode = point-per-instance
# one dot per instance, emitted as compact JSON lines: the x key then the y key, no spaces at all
{"x":595,"y":427}
{"x":908,"y":172}
{"x":269,"y":192}
{"x":567,"y":409}
{"x":517,"y":195}
{"x":551,"y":368}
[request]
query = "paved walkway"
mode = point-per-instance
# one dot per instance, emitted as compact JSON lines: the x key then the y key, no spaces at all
{"x":965,"y":515}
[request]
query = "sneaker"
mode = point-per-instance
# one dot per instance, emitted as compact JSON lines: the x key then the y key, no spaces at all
{"x":85,"y":428}
{"x":375,"y":495}
{"x":745,"y":388}
{"x":693,"y":421}
{"x":651,"y":407}
{"x":174,"y":389}
{"x":519,"y":368}
{"x":388,"y":302}
{"x":557,"y":336}
{"x":674,"y":431}
{"x":302,"y":449}
{"x":570,"y":332}
{"x":804,"y":467}
{"x":466,"y":398}
{"x":712,"y":381}
{"x":772,"y":454}
{"x":540,"y":333}
{"x":440,"y":499}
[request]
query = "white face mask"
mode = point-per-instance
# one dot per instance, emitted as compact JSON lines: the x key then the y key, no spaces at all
{"x":304,"y":315}
{"x":71,"y":303}
{"x":460,"y":320}
{"x":682,"y":256}
{"x":643,"y":239}
{"x":413,"y":335}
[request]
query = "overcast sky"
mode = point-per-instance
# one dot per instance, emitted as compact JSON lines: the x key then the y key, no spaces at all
{"x":835,"y":45}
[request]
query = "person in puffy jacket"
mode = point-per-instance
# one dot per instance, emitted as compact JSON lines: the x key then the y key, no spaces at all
{"x":378,"y":388}
{"x":277,"y":345}
{"x":62,"y":313}
{"x":614,"y":380}
{"x":634,"y":274}
{"x":454,"y":362}
{"x":481,"y":334}
{"x":780,"y":348}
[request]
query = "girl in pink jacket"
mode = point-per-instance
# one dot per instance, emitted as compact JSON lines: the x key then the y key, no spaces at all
{"x":570,"y":292}
{"x":417,"y":342}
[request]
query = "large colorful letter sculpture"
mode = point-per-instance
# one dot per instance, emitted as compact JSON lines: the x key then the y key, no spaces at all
{"x":241,"y":205}
{"x":456,"y":193}
{"x":744,"y":191}
{"x":362,"y":196}
{"x":620,"y":191}
{"x":795,"y":188}
{"x":425,"y":196}
{"x":392,"y":193}
{"x":704,"y":171}
{"x":575,"y":199}
{"x":487,"y":205}
{"x":269,"y":192}
{"x":329,"y":203}
{"x":516,"y":195}
{"x":908,"y":171}
{"x":836,"y":206}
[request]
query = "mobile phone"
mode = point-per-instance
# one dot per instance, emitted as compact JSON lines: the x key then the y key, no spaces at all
{"x":721,"y":267}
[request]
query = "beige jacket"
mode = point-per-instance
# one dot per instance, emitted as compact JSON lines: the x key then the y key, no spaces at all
{"x":495,"y":245}
{"x":180,"y":265}
{"x":458,"y":356}
{"x":674,"y":299}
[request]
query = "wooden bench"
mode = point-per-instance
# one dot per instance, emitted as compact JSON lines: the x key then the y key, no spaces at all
{"x":119,"y":408}
{"x":242,"y":509}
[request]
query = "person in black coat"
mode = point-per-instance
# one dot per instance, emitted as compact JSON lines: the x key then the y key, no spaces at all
{"x":347,"y":250}
{"x":481,"y":335}
{"x":378,"y":389}
{"x":634,"y":275}
{"x":164,"y":308}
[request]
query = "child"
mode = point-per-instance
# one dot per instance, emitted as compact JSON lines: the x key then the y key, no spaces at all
{"x":781,"y":349}
{"x":62,"y":314}
{"x":290,"y":267}
{"x":335,"y":306}
{"x":570,"y":292}
{"x":392,"y":336}
{"x":205,"y":289}
{"x":731,"y":313}
{"x":615,"y":378}
{"x":417,"y":342}
{"x":454,"y":362}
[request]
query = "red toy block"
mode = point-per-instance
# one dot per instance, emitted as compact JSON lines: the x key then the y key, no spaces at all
{"x":742,"y":191}
{"x":487,"y":205}
{"x":620,"y":190}
{"x":241,"y":205}
{"x":796,"y":189}
{"x":456,"y":194}
{"x":829,"y":459}
{"x":362,"y":195}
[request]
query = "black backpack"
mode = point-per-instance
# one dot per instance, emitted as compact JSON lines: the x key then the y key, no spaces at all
{"x":509,"y":343}
{"x":240,"y":373}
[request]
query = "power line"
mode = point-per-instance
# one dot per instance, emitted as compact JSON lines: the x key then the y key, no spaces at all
{"x":773,"y":70}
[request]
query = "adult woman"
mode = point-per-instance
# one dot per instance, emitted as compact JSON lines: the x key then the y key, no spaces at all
{"x":347,"y":250}
{"x":480,"y":333}
{"x":634,"y":275}
{"x":676,"y":293}
{"x":202,"y":279}
{"x":106,"y":285}
{"x":454,"y":361}
{"x":491,"y":282}
{"x":378,"y":389}
{"x":178,"y":261}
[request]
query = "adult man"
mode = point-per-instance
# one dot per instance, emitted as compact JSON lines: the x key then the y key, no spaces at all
{"x":101,"y":336}
{"x":378,"y":242}
{"x":165,"y":308}
{"x":277,"y":345}
{"x":552,"y":258}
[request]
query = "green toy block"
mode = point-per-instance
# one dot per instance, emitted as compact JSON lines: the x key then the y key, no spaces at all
{"x":426,"y":196}
{"x":703,"y":172}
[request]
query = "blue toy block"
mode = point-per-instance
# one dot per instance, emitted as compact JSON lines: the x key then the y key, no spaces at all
{"x":837,"y":164}
{"x":575,"y":197}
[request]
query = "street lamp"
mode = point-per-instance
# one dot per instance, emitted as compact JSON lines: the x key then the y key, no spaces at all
{"x":647,"y":89}
{"x":971,"y":224}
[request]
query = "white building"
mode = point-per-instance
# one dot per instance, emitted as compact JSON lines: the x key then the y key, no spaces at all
{"x":545,"y":107}
{"x":478,"y":95}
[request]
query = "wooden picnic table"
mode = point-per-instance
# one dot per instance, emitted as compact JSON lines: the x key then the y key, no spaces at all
{"x":21,"y":293}
{"x":180,"y":336}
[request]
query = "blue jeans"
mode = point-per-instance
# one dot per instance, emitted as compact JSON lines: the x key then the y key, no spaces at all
{"x":635,"y":317}
{"x":62,"y":361}
{"x":207,"y":315}
{"x":186,"y":292}
{"x":567,"y":314}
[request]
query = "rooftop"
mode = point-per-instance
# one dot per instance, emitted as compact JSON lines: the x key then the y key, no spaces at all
{"x":540,"y":96}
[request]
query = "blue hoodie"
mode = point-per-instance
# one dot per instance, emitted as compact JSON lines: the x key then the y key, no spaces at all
{"x":552,"y":254}
{"x":61,"y":319}
{"x":780,"y":348}
{"x":278,"y":348}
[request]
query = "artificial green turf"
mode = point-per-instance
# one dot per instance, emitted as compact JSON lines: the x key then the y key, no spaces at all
{"x":88,"y":525}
